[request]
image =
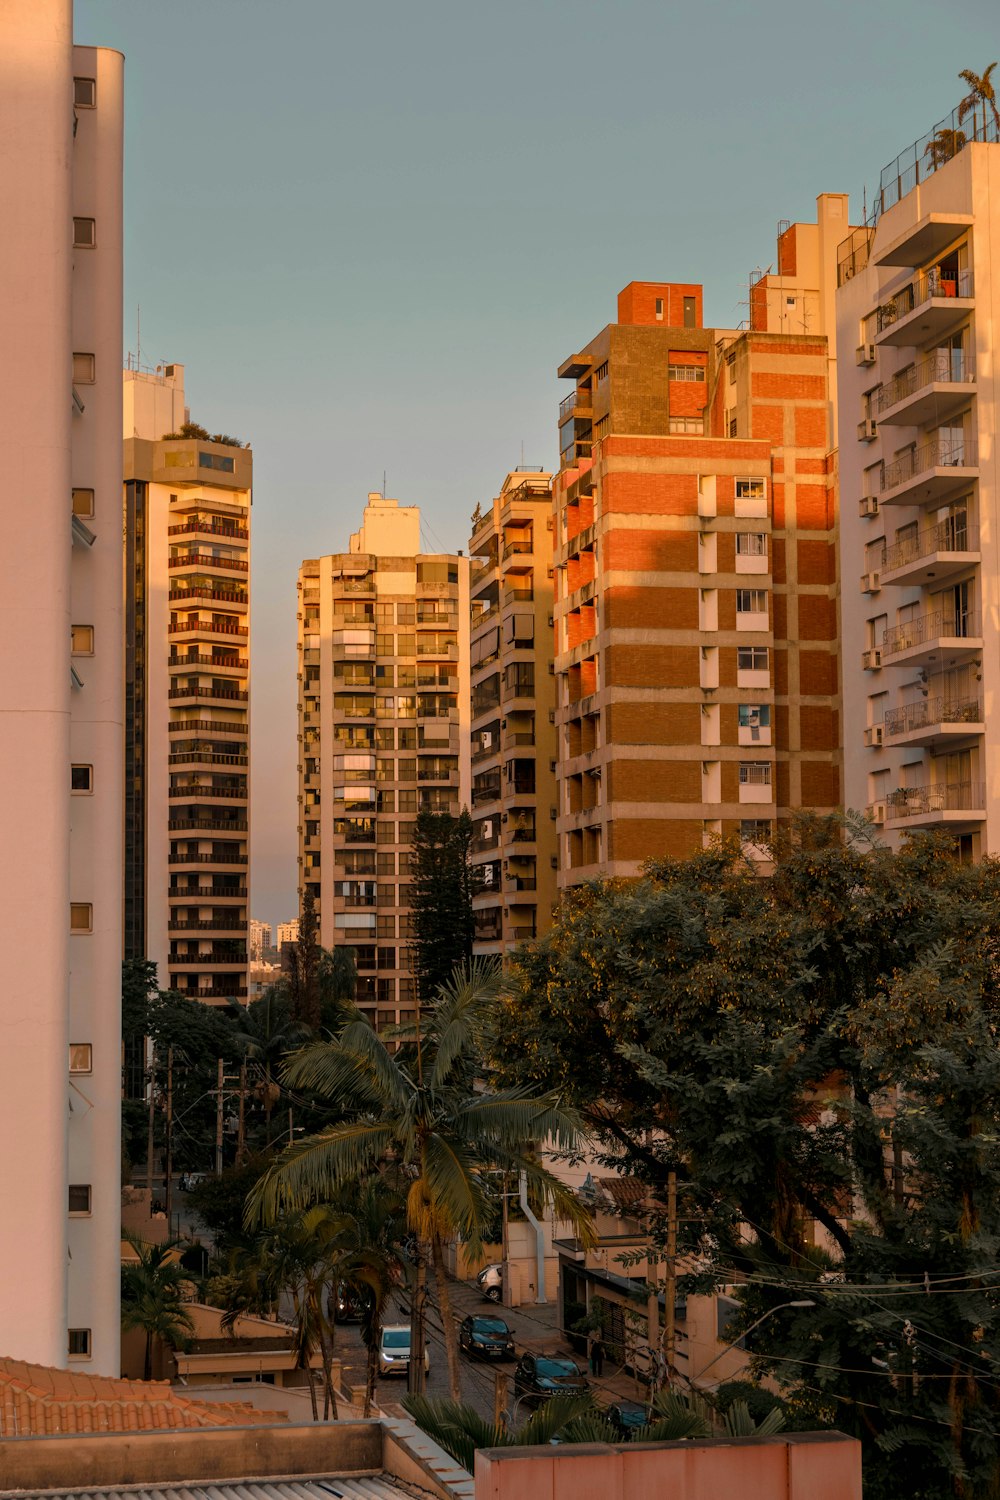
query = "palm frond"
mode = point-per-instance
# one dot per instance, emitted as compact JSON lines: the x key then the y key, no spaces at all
{"x":551,"y":1419}
{"x":356,"y":1070}
{"x":456,"y":1427}
{"x":450,"y":1177}
{"x":515,"y":1116}
{"x":313,"y":1168}
{"x":738,"y":1422}
{"x":456,"y":1021}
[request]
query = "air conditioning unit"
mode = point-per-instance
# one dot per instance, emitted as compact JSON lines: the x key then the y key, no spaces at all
{"x":871,"y":659}
{"x":868,"y":505}
{"x":865,"y":354}
{"x":871,"y":582}
{"x":868,"y":430}
{"x":873,"y":736}
{"x":552,"y":716}
{"x":876,"y":811}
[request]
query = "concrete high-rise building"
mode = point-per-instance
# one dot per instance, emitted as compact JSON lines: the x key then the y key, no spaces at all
{"x":187,"y":679}
{"x":260,"y":939}
{"x":696,"y":652}
{"x":61,"y":708}
{"x":920,"y":481}
{"x":383,"y":733}
{"x":287,"y":932}
{"x":513,"y":713}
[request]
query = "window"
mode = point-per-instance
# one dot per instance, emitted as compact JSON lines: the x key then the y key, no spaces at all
{"x":84,"y":234}
{"x":689,"y":312}
{"x":755,"y":715}
{"x":732,"y":427}
{"x":755,"y":830}
{"x":82,"y":640}
{"x":81,"y":1057}
{"x":685,"y":372}
{"x":751,"y":489}
{"x":83,"y":369}
{"x":79,"y":1343}
{"x":83,"y":502}
{"x":85,"y":93}
{"x":755,"y":773}
{"x":81,"y":916}
{"x":216,"y":461}
{"x":751,"y":658}
{"x":601,"y":373}
{"x":751,"y":601}
{"x":79,"y":1197}
{"x":82,"y":779}
{"x":731,"y":367}
{"x":751,"y":544}
{"x":659,"y":307}
{"x":693,"y":425}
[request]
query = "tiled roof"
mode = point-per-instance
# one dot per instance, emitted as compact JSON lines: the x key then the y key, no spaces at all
{"x":624,"y":1192}
{"x":36,"y":1400}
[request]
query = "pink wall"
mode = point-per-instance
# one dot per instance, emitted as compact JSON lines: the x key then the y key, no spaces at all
{"x":800,"y":1466}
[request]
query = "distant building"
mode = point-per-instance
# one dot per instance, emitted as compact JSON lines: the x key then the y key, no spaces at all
{"x":383,"y":733}
{"x":61,"y":713}
{"x":513,"y":713}
{"x":260,"y":939}
{"x":187,"y":688}
{"x":288,"y":932}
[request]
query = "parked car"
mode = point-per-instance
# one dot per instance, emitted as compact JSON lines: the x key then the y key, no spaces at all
{"x":627,"y":1416}
{"x":544,"y":1375}
{"x":488,"y":1337}
{"x":490,"y":1281}
{"x":394,"y":1350}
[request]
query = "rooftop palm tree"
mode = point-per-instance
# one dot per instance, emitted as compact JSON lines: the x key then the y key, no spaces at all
{"x":151,"y":1297}
{"x":420,"y":1107}
{"x":980,"y":93}
{"x":943,"y":146}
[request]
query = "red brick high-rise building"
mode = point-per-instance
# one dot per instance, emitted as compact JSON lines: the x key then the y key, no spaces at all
{"x":695,"y":553}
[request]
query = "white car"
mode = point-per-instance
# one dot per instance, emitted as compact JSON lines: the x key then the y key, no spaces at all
{"x":394,"y":1350}
{"x":490,"y":1281}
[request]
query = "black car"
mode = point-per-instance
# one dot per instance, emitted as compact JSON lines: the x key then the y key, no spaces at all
{"x":627,"y":1416}
{"x":545,"y":1375}
{"x":489,"y":1337}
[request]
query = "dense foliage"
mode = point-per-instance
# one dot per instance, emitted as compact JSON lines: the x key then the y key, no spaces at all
{"x":815,"y":1055}
{"x":442,"y":879}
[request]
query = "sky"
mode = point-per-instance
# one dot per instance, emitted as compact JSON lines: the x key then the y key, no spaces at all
{"x":371,"y":231}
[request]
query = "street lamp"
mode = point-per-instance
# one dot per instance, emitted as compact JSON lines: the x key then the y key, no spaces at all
{"x":801,"y":1302}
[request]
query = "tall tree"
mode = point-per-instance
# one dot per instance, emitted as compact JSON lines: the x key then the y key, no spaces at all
{"x":303,"y":959}
{"x":418,"y":1107}
{"x":814,"y":1054}
{"x":442,"y":886}
{"x":981,"y":95}
{"x":151,"y":1297}
{"x":139,"y":990}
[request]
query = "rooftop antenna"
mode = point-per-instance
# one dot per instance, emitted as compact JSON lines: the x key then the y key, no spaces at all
{"x":383,"y":484}
{"x":522,"y":453}
{"x":138,"y":334}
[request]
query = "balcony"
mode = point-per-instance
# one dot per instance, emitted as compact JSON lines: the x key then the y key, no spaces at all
{"x":194,"y":791}
{"x":191,"y":663}
{"x":930,"y":306}
{"x":204,"y":527}
{"x":936,"y":722}
{"x":236,"y":695}
{"x":208,"y":825}
{"x":953,"y":803}
{"x":225,"y":923}
{"x":929,"y":473}
{"x":522,"y":548}
{"x":519,"y":737}
{"x":208,"y":859}
{"x":206,"y":627}
{"x":931,"y":390}
{"x":206,"y":894}
{"x":940,"y":639}
{"x":931,"y":555}
{"x":204,"y":755}
{"x":233,"y":597}
{"x":206,"y":726}
{"x":522,"y":833}
{"x":206,"y":560}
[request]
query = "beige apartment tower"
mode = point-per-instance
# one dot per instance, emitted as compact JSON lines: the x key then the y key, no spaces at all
{"x":61,"y":111}
{"x":513,"y":713}
{"x":920,"y":480}
{"x":187,"y":688}
{"x":383,"y":710}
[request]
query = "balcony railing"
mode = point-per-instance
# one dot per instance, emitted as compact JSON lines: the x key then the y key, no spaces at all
{"x":931,"y":152}
{"x":225,"y":923}
{"x":204,"y":726}
{"x":217,"y":663}
{"x":206,"y":627}
{"x":920,"y":801}
{"x":194,"y":789}
{"x":567,"y":404}
{"x":489,"y":792}
{"x":525,"y":834}
{"x":210,"y":528}
{"x":951,"y":535}
{"x":208,"y":825}
{"x":206,"y":894}
{"x":937,"y":454}
{"x":518,"y":549}
{"x":208,"y":859}
{"x":939,"y":624}
{"x":204,"y":560}
{"x":221,"y":596}
{"x":232,"y":694}
{"x":206,"y":757}
{"x":944,"y":366}
{"x":921,"y":289}
{"x":915,"y":716}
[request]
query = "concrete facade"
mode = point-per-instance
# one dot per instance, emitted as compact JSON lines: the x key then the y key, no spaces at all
{"x":187,"y":750}
{"x":61,"y":113}
{"x":513,"y":713}
{"x":920,"y":533}
{"x":383,"y":650}
{"x":696,"y":652}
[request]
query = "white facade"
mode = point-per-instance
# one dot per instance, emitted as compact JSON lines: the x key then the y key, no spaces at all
{"x":920,"y":532}
{"x":61,"y":707}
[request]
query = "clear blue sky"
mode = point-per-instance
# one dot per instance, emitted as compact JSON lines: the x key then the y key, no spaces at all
{"x":372,"y":230}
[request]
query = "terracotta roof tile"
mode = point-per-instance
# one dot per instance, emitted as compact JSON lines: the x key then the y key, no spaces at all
{"x":35,"y":1399}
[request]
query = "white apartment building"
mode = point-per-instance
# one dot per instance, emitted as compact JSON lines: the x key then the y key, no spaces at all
{"x":384,"y":705}
{"x":260,"y":939}
{"x":287,"y":932}
{"x":61,"y":706}
{"x":919,"y":477}
{"x":187,"y":694}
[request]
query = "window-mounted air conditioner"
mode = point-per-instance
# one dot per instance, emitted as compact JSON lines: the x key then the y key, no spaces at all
{"x":867,"y":430}
{"x":871,"y":659}
{"x":865,"y":354}
{"x":873,"y":736}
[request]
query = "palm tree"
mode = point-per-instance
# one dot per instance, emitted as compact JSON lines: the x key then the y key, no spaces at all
{"x":943,"y":146}
{"x":980,"y":93}
{"x":151,"y":1297}
{"x":375,"y":1228}
{"x":268,"y":1033}
{"x":420,"y":1107}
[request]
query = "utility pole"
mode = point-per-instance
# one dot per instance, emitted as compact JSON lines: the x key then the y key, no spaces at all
{"x":152,"y":1118}
{"x":669,"y":1329}
{"x":219,"y":1099}
{"x":241,"y":1137}
{"x":170,"y":1132}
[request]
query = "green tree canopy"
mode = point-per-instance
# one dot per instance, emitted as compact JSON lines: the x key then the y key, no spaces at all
{"x":442,"y":885}
{"x":814,"y":1054}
